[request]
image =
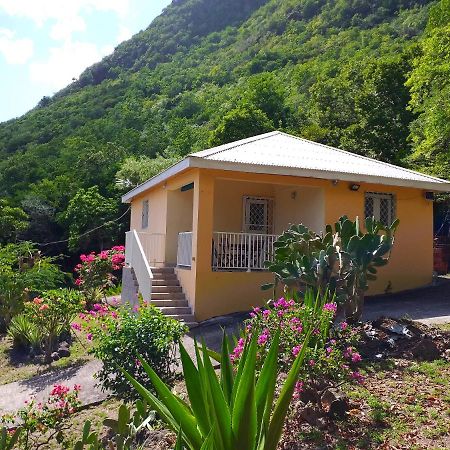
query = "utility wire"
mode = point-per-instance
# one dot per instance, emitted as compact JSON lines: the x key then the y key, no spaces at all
{"x":44,"y":244}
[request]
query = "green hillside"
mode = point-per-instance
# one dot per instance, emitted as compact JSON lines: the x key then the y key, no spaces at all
{"x":212,"y":71}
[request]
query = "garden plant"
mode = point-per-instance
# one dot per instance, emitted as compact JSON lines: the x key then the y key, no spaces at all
{"x":343,"y":260}
{"x":237,"y":410}
{"x":118,"y":333}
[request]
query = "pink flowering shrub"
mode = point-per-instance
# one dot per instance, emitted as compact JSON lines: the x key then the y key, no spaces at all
{"x":119,"y":335}
{"x":42,"y":422}
{"x":52,"y":313}
{"x":95,"y":271}
{"x":330,"y":354}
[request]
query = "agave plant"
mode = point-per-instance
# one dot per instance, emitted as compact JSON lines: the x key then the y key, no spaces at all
{"x":237,"y":409}
{"x":9,"y":440}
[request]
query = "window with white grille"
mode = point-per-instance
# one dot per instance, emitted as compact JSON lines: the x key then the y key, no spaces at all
{"x":258,"y":215}
{"x":144,"y":221}
{"x":381,"y":206}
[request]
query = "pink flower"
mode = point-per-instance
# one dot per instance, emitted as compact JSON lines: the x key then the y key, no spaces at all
{"x":263,"y":337}
{"x":343,"y":325}
{"x":266,"y":313}
{"x":296,"y":350}
{"x":357,"y":377}
{"x":298,"y":389}
{"x":237,"y":350}
{"x":316,"y":331}
{"x":89,"y":336}
{"x":43,"y":307}
{"x":256,"y":310}
{"x":114,"y":315}
{"x":356,"y":357}
{"x":76,"y":387}
{"x":78,"y":281}
{"x":331,"y":307}
{"x":76,"y":326}
{"x":312,"y":362}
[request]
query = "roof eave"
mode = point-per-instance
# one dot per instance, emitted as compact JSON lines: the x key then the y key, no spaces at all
{"x":438,"y":186}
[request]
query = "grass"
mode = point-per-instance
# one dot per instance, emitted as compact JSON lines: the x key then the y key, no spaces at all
{"x":17,"y":366}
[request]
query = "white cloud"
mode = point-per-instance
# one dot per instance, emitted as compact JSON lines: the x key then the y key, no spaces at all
{"x":65,"y":62}
{"x":65,"y":14}
{"x":15,"y":51}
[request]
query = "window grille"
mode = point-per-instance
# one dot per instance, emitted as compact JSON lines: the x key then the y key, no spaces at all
{"x":145,"y":212}
{"x":381,"y":206}
{"x":258,"y":215}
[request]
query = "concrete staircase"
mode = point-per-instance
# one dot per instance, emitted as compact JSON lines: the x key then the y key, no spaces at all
{"x":168,"y":296}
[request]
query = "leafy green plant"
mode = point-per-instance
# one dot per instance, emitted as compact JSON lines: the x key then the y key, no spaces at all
{"x":42,"y":423}
{"x":53,"y":314}
{"x":9,"y":439}
{"x":119,"y":333}
{"x":343,"y":260}
{"x":24,"y":332}
{"x":125,"y":429}
{"x":330,"y":353}
{"x":236,"y":410}
{"x":24,"y":273}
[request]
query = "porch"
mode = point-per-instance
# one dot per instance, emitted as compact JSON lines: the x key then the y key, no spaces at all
{"x":247,"y":218}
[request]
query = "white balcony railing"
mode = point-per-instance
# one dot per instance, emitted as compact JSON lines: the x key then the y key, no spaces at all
{"x":154,"y":245}
{"x":242,"y":251}
{"x":184,"y":250}
{"x":135,"y":258}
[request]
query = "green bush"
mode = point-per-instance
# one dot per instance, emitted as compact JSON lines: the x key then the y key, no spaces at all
{"x":123,"y":334}
{"x":53,"y":313}
{"x":24,"y":332}
{"x":24,"y":273}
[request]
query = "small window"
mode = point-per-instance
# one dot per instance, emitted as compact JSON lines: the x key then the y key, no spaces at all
{"x":381,"y":206}
{"x":258,"y":215}
{"x":144,"y":223}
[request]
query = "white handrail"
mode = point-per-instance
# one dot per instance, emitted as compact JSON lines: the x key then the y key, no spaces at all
{"x":184,"y":249}
{"x":242,"y":251}
{"x":136,"y":258}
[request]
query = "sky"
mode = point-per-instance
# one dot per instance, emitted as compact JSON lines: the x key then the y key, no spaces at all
{"x":46,"y":43}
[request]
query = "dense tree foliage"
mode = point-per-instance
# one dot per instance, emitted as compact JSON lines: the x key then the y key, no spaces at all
{"x":211,"y":71}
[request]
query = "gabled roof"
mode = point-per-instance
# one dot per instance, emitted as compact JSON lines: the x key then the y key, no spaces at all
{"x":282,"y":154}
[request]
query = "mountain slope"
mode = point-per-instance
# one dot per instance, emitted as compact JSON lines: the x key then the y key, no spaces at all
{"x":209,"y":70}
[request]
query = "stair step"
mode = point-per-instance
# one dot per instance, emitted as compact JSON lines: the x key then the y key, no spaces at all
{"x":166,"y":288}
{"x":163,"y":270}
{"x":176,"y":310}
{"x":171,"y":282}
{"x":164,"y":276}
{"x":187,"y":318}
{"x":168,"y":296}
{"x":163,"y":303}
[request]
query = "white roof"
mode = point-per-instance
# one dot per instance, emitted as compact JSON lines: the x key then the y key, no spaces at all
{"x":283,"y":154}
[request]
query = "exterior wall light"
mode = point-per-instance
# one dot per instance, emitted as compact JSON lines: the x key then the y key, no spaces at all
{"x":355,"y":187}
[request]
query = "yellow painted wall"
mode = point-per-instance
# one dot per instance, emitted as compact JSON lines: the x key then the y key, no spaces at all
{"x":217,"y":206}
{"x":411,"y":264}
{"x":157,"y":200}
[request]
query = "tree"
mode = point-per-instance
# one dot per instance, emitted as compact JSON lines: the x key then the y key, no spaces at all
{"x":430,"y":94}
{"x":241,"y":122}
{"x":266,"y":93}
{"x":89,"y":210}
{"x":137,"y":169}
{"x":13,"y":221}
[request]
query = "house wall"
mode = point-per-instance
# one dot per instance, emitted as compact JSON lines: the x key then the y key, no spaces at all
{"x":299,"y":204}
{"x":217,"y":206}
{"x":157,"y":200}
{"x":411,"y":263}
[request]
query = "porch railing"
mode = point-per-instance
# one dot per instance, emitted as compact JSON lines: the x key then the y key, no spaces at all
{"x":184,"y":251}
{"x":136,"y":258}
{"x":242,"y":251}
{"x":154,"y":245}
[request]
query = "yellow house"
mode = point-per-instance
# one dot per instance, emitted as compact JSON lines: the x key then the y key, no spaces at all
{"x":202,"y":229}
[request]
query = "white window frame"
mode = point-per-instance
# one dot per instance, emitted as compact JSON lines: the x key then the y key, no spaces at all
{"x":247,"y":201}
{"x":145,"y":214}
{"x":376,"y":201}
